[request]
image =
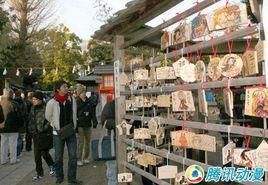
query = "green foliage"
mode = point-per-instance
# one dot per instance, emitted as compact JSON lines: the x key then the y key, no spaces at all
{"x":6,"y":49}
{"x":59,"y":48}
{"x":100,"y":52}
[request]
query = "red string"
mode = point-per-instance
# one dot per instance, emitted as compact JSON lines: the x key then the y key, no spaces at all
{"x":178,"y":16}
{"x":261,"y":81}
{"x":182,"y":87}
{"x":214,"y":48}
{"x":249,"y":38}
{"x":189,"y":55}
{"x":247,"y":138}
{"x":204,"y":128}
{"x":230,"y":43}
{"x":228,"y":84}
{"x":199,"y":54}
{"x":227,"y":2}
{"x":176,"y":53}
{"x":184,"y":122}
{"x":230,"y":46}
{"x":165,"y":23}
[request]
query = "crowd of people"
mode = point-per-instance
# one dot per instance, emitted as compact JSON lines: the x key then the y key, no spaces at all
{"x":52,"y":122}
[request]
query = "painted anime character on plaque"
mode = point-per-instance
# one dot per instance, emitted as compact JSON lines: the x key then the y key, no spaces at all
{"x":227,"y":16}
{"x":199,"y":26}
{"x":257,"y":102}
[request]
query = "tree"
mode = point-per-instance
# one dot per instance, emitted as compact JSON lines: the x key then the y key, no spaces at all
{"x":59,"y":48}
{"x":30,"y":18}
{"x":99,"y":52}
{"x":104,"y":11}
{"x":6,"y":51}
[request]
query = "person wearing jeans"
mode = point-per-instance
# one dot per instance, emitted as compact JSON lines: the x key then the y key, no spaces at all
{"x":9,"y":144}
{"x":59,"y":150}
{"x":9,"y":129}
{"x":61,"y":111}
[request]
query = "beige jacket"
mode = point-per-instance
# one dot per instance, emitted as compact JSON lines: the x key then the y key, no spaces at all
{"x":53,"y":113}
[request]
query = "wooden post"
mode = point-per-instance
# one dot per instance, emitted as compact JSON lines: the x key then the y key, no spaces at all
{"x":265,"y":25}
{"x":119,"y":106}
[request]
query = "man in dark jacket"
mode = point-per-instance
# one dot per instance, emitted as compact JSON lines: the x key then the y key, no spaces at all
{"x":84,"y":124}
{"x":38,"y":125}
{"x":94,"y":100}
{"x":28,"y":136}
{"x":108,"y":116}
{"x":23,"y":110}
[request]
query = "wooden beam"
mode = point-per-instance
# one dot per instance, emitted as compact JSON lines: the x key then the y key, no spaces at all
{"x":171,"y":156}
{"x":119,"y":106}
{"x":149,"y":15}
{"x":257,"y":132}
{"x":144,"y":173}
{"x":162,"y":153}
{"x":177,"y":18}
{"x":206,"y":85}
{"x":201,"y":45}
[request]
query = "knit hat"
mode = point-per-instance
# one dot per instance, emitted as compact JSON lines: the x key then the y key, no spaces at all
{"x":39,"y":95}
{"x":80,"y":90}
{"x":58,"y":84}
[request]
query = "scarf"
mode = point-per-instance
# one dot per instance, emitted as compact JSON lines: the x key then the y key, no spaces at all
{"x":60,"y":98}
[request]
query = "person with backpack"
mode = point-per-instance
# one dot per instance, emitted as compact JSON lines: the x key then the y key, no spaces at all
{"x":38,"y":126}
{"x":83,"y":124}
{"x":61,"y":112}
{"x":9,"y":129}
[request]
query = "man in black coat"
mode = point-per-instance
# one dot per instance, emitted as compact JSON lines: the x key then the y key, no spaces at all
{"x":94,"y":100}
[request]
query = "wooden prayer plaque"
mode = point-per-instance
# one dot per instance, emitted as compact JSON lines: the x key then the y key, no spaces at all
{"x":204,"y":142}
{"x":167,"y":172}
{"x":178,"y":65}
{"x":142,"y":133}
{"x":250,"y":63}
{"x":124,"y":177}
{"x":256,"y":102}
{"x":163,"y":101}
{"x":182,"y":101}
{"x":165,"y":73}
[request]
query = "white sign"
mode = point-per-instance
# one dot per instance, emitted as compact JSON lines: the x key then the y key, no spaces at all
{"x":117,"y":78}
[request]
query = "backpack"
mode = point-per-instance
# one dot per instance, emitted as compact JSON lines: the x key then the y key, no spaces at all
{"x":13,"y":120}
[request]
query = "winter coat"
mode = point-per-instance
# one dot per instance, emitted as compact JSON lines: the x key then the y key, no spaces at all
{"x":12,"y":115}
{"x":37,"y":122}
{"x":94,"y":100}
{"x":52,"y":113}
{"x":22,"y":106}
{"x":108,"y":114}
{"x":83,"y":113}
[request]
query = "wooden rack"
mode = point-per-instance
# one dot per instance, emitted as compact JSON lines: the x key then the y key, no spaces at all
{"x":119,"y":47}
{"x":257,"y":132}
{"x":194,"y":86}
{"x":164,"y":154}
